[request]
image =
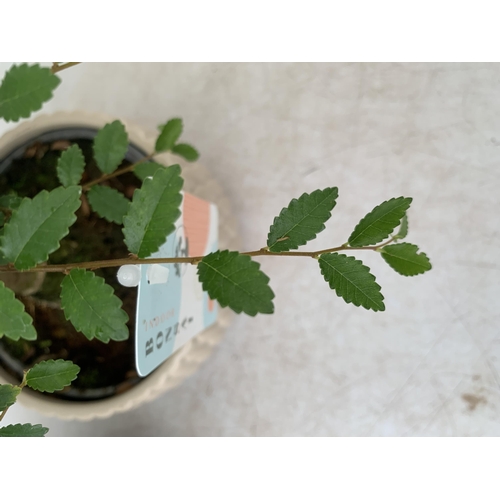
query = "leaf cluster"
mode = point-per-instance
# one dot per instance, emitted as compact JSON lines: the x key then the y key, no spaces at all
{"x":229,"y":282}
{"x":34,"y":227}
{"x":46,"y":376}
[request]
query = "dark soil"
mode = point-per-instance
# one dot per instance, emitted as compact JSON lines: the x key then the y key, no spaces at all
{"x":106,"y":369}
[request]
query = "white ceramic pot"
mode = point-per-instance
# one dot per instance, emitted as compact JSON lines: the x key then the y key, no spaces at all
{"x":197,"y":181}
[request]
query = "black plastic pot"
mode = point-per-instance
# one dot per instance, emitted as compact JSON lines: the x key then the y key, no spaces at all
{"x":13,"y":368}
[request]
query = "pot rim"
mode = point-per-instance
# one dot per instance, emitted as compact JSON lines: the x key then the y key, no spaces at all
{"x":199,"y":182}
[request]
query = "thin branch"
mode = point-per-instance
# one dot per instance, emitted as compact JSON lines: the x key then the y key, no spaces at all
{"x":99,"y":264}
{"x":56,"y":67}
{"x":116,"y":173}
{"x":394,"y":238}
{"x":24,"y":381}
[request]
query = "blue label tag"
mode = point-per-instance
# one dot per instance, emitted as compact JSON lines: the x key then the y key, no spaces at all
{"x":171,"y":312}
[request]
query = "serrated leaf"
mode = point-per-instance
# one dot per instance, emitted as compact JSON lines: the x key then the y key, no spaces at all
{"x":24,"y":89}
{"x":148,"y":169}
{"x":92,"y":307}
{"x":70,"y":166}
{"x":38,"y":225}
{"x":110,"y":146}
{"x":236,"y":281}
{"x":108,"y":203}
{"x":380,"y":222}
{"x":10,"y":201}
{"x":155,"y":208}
{"x":405,"y":260}
{"x":15,"y":322}
{"x":8,"y":395}
{"x":186,"y":151}
{"x":169,"y":134}
{"x":23,"y":430}
{"x":403,"y":228}
{"x":52,"y":375}
{"x":351,"y":280}
{"x":302,"y":220}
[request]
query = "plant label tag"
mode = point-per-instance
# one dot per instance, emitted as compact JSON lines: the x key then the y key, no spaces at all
{"x":171,"y":304}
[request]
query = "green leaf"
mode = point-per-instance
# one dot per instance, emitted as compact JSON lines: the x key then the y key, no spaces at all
{"x":405,"y":260}
{"x":92,"y":307}
{"x":10,"y":201}
{"x":110,"y":146}
{"x":52,"y":375}
{"x":70,"y":166}
{"x":186,"y":151}
{"x":155,"y":208}
{"x":379,"y":223}
{"x":108,"y":203}
{"x":23,"y":430}
{"x":236,"y":281}
{"x":37,"y":226}
{"x":2,"y":218}
{"x":169,"y":134}
{"x":351,"y":280}
{"x":302,"y":220}
{"x":403,"y":228}
{"x":15,"y":322}
{"x":144,"y":170}
{"x":24,"y":89}
{"x":8,"y":395}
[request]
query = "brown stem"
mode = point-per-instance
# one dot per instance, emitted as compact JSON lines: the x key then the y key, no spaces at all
{"x":56,"y":67}
{"x":376,"y":247}
{"x":98,"y":264}
{"x":7,"y":213}
{"x":116,"y":173}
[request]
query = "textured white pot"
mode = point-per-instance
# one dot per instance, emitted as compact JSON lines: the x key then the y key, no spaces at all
{"x":197,"y":181}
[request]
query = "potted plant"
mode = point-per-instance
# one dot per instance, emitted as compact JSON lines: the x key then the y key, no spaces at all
{"x":83,"y":199}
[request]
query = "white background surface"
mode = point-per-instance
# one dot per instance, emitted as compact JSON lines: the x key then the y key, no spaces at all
{"x":429,"y":364}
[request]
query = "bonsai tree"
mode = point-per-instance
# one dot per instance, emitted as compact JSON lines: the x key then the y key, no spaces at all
{"x":32,"y":229}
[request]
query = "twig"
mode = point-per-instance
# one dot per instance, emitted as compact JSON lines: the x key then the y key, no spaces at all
{"x":56,"y":67}
{"x":99,"y":264}
{"x":116,"y":173}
